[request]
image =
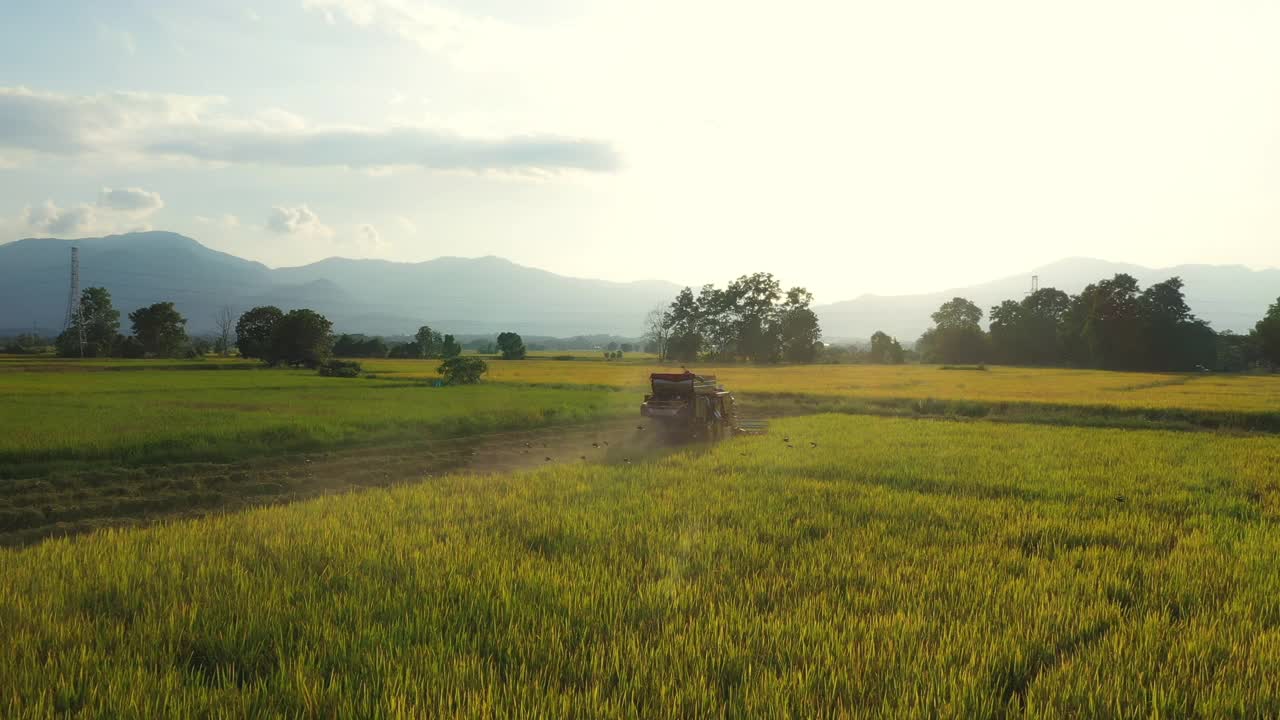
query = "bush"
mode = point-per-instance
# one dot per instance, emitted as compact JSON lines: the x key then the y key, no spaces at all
{"x":341,"y":368}
{"x":462,"y":370}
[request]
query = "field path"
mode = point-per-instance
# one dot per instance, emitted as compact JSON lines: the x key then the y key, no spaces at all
{"x":79,"y":502}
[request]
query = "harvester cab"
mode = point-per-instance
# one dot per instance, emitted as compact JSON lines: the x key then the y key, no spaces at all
{"x":689,"y":406}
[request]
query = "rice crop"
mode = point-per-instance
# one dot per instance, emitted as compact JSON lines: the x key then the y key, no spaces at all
{"x":839,"y":567}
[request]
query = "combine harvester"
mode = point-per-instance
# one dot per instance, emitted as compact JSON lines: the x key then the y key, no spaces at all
{"x":686,"y":406}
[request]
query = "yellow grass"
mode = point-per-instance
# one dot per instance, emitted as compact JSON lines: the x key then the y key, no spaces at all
{"x":1213,"y":392}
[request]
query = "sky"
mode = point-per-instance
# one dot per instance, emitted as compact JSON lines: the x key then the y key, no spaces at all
{"x":848,"y":147}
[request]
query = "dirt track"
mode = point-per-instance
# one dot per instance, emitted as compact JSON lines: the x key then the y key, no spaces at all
{"x":82,"y":502}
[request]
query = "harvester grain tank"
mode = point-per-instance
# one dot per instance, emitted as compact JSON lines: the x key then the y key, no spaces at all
{"x":686,"y":406}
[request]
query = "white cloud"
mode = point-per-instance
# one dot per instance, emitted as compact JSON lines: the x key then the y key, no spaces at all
{"x":50,"y":218}
{"x":227,"y":221}
{"x":462,"y":38}
{"x":190,"y":128}
{"x":116,"y":210}
{"x":134,"y":200}
{"x":299,"y":220}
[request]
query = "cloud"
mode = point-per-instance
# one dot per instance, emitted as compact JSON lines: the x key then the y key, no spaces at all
{"x":299,"y":221}
{"x":116,"y":210}
{"x":134,"y":200}
{"x":463,"y":39}
{"x":50,"y":218}
{"x":396,"y":147}
{"x":227,"y":221}
{"x":191,"y":128}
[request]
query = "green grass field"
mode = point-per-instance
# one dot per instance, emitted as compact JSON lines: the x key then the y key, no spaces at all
{"x":61,"y":418}
{"x":844,"y":565}
{"x":898,"y":569}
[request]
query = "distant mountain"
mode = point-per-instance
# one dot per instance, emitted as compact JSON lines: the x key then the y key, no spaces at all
{"x":483,"y":296}
{"x":459,"y":295}
{"x":1230,"y":297}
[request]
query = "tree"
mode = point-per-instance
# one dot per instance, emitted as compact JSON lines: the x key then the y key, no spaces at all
{"x":884,"y":350}
{"x":225,"y":321}
{"x":1109,"y":324}
{"x":100,"y":322}
{"x":429,"y":342}
{"x":1007,"y":344}
{"x":1267,"y":334}
{"x":450,"y":347}
{"x":512,"y":346}
{"x":462,"y":370}
{"x":797,"y":328}
{"x":1042,"y":330}
{"x":656,"y":332}
{"x":753,"y":318}
{"x":360,"y":346}
{"x":1173,"y":338}
{"x":301,"y":337}
{"x":956,"y":336}
{"x":613,"y":345}
{"x":682,"y":324}
{"x":255,"y":329}
{"x":160,"y":328}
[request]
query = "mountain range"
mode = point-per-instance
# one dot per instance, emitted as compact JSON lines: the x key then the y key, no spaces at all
{"x":486,"y":295}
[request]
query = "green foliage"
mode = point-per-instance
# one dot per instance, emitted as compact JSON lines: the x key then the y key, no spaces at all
{"x":360,"y":346}
{"x":160,"y":328}
{"x":885,"y":350}
{"x":340,"y":368}
{"x":450,"y":347}
{"x":751,"y":319}
{"x":897,"y":569}
{"x":254,"y":331}
{"x":301,"y":338}
{"x":512,"y":346}
{"x":428,"y":342}
{"x":462,"y":370}
{"x":956,"y":337}
{"x":1267,"y":334}
{"x":25,"y":344}
{"x":101,"y":324}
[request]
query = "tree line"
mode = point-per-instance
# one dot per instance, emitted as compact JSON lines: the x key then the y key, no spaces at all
{"x":1112,"y":324}
{"x":158,"y":330}
{"x":751,"y":319}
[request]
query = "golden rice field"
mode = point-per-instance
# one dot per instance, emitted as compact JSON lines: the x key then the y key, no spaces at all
{"x":1209,"y":391}
{"x":878,"y":567}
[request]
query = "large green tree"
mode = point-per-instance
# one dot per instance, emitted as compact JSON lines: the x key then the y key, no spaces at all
{"x":1267,"y":334}
{"x":101,"y":324}
{"x":751,"y":319}
{"x":429,"y":342}
{"x":1172,"y":338}
{"x":450,"y":347}
{"x":255,"y":329}
{"x":302,"y":337}
{"x":512,"y":346}
{"x":797,"y":327}
{"x":1109,"y":323}
{"x":160,"y":329}
{"x":684,"y":331}
{"x":885,"y":350}
{"x":956,"y":336}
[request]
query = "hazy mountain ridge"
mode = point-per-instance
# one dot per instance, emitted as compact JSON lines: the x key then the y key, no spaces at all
{"x":479,"y":296}
{"x":1230,"y":297}
{"x":460,"y":295}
